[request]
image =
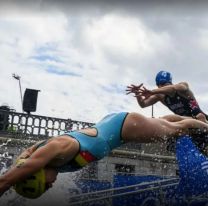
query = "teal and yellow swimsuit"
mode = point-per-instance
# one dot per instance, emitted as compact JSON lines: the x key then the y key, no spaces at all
{"x":93,"y":148}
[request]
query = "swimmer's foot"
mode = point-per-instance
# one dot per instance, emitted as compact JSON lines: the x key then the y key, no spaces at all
{"x":200,"y":139}
{"x":201,"y":117}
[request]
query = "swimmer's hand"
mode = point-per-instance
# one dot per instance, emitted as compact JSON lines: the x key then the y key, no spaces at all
{"x":143,"y":91}
{"x":3,"y":187}
{"x":133,"y":89}
{"x":1,"y":193}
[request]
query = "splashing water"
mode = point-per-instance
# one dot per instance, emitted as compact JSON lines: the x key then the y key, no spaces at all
{"x":6,"y":143}
{"x":5,"y":157}
{"x":59,"y":194}
{"x":66,"y":185}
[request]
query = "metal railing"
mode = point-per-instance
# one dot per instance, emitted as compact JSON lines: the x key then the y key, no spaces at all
{"x":109,"y":194}
{"x":23,"y":124}
{"x":160,"y":192}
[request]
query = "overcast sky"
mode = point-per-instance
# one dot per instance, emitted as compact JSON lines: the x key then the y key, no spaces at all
{"x":83,"y":55}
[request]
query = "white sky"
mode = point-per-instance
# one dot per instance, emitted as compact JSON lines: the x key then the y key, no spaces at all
{"x":82,"y":56}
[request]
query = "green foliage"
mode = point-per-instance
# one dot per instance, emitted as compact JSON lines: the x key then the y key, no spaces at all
{"x":12,"y":129}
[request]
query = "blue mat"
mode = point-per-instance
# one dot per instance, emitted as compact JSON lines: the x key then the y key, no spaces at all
{"x":193,"y":168}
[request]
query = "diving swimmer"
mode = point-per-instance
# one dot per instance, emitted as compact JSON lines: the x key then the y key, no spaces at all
{"x":36,"y":168}
{"x":177,"y":97}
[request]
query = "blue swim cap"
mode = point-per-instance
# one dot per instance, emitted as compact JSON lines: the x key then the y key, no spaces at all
{"x":163,"y":77}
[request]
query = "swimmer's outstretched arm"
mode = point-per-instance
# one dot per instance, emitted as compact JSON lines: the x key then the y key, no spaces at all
{"x":143,"y":100}
{"x":28,"y":152}
{"x":39,"y":159}
{"x":166,"y":90}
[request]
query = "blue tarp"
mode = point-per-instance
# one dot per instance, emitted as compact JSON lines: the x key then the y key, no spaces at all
{"x":193,"y":167}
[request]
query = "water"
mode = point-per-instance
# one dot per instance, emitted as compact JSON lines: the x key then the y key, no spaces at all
{"x":95,"y":177}
{"x":148,"y":183}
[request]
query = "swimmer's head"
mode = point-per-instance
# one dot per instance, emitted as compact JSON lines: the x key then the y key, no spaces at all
{"x":163,"y":78}
{"x":35,"y":185}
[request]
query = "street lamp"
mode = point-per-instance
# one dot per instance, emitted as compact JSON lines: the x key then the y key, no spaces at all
{"x":18,"y":78}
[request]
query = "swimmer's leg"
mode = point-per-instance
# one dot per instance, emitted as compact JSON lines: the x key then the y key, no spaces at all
{"x":146,"y":130}
{"x":174,"y":117}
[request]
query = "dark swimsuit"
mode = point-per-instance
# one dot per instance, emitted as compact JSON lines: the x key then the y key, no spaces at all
{"x":183,"y":106}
